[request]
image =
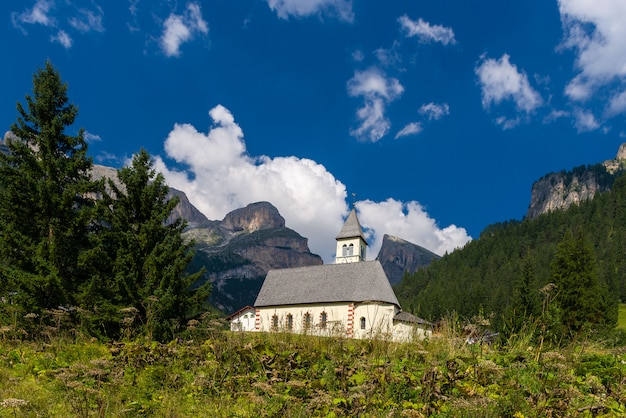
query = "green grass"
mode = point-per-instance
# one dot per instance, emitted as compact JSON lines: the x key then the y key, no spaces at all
{"x":621,"y":316}
{"x":228,"y":374}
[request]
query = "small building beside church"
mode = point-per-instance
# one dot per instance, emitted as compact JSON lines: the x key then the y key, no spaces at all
{"x":351,"y":298}
{"x":243,"y":319}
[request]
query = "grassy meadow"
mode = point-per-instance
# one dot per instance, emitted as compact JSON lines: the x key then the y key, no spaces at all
{"x":216,"y":373}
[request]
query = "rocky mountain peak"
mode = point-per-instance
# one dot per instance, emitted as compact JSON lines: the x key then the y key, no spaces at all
{"x":398,"y":256}
{"x":254,"y":217}
{"x":560,"y":190}
{"x":621,"y":152}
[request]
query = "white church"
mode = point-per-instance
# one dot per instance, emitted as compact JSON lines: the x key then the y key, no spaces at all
{"x":351,"y":298}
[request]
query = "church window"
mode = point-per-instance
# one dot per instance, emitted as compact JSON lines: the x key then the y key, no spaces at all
{"x":350,"y":249}
{"x":289,"y":322}
{"x":274,"y":322}
{"x":307,"y":320}
{"x":362,"y":322}
{"x":344,"y":250}
{"x":323,"y":319}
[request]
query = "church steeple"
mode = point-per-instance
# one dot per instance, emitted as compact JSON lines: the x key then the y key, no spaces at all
{"x":351,"y":244}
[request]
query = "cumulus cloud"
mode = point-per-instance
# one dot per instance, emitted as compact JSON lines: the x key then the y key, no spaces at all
{"x":596,"y":32}
{"x":377,"y":90}
{"x":426,"y":32}
{"x":219,"y":176}
{"x":410,"y":129}
{"x":500,"y":80}
{"x":434,"y":111}
{"x":342,"y":9}
{"x":178,"y":29}
{"x":410,"y":222}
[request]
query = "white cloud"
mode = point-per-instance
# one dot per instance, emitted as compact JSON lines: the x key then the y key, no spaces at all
{"x":500,"y":80}
{"x":304,"y":8}
{"x":585,"y":121}
{"x":410,"y":222}
{"x":434,"y":111}
{"x":506,"y":123}
{"x":389,"y":57}
{"x":426,"y":32}
{"x":377,"y":91}
{"x":617,"y":104}
{"x":358,"y":56}
{"x":595,"y":30}
{"x":39,"y":14}
{"x":220,"y":176}
{"x":43,"y":13}
{"x":178,"y":29}
{"x":410,"y":129}
{"x":88,"y":20}
{"x":89,"y":137}
{"x":63,"y":38}
{"x":556,"y":114}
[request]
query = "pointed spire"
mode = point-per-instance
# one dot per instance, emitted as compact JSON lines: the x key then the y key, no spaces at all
{"x":351,"y":228}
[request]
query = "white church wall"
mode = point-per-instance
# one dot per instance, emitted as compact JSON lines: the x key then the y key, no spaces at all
{"x":335,"y":325}
{"x":373,"y":320}
{"x":407,"y":332}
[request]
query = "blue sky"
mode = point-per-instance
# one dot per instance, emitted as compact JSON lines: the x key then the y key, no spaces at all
{"x":433,"y":118}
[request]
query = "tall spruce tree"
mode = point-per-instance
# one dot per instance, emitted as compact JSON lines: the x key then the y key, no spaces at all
{"x":44,"y":199}
{"x":581,"y":298}
{"x":146,"y":254}
{"x":524,"y":306}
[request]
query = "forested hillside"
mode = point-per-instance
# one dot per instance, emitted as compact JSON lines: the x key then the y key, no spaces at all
{"x":512,"y":264}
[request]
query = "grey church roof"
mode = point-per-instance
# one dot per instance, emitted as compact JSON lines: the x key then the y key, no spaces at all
{"x":351,"y":228}
{"x":410,"y":318}
{"x":346,"y":282}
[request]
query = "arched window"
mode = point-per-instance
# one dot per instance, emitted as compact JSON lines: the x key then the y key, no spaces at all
{"x":362,"y":322}
{"x":351,"y":249}
{"x":323,"y":319}
{"x":274,"y":322}
{"x":344,"y":250}
{"x":289,"y":322}
{"x":307,"y":320}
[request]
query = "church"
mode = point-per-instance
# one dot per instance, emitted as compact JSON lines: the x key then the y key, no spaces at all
{"x":351,"y":298}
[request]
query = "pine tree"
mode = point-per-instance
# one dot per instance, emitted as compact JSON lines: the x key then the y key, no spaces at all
{"x":524,"y":306}
{"x":45,"y":208}
{"x":581,"y":299}
{"x":146,"y":254}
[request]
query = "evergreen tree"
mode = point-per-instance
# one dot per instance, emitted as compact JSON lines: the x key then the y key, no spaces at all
{"x":45,"y":208}
{"x":524,"y":306}
{"x":580,"y":297}
{"x":145,"y":254}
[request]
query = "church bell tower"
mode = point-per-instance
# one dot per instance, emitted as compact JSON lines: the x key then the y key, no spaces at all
{"x":351,"y":244}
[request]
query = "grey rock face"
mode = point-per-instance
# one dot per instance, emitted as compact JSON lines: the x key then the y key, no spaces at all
{"x":560,"y":190}
{"x":238,"y":251}
{"x":398,"y":256}
{"x":184,"y":209}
